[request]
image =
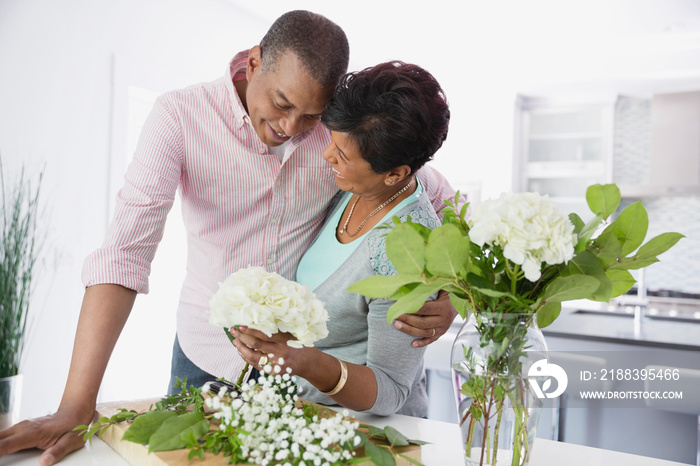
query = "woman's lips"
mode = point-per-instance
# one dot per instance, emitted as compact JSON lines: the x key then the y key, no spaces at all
{"x":337,"y":173}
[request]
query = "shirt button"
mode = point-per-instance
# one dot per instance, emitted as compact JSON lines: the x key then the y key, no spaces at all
{"x":269,"y":261}
{"x":273,"y":220}
{"x":261,"y":150}
{"x":279,"y":182}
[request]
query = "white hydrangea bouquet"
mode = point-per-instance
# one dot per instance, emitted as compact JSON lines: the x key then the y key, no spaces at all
{"x":510,"y":264}
{"x":270,"y":303}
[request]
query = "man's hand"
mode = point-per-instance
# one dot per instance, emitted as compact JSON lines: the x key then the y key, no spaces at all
{"x":53,"y":434}
{"x":430,"y":322}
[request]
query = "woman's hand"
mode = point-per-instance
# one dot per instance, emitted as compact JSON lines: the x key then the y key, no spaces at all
{"x":256,"y":349}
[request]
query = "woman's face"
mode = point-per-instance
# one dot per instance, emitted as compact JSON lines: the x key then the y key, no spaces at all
{"x":352,"y":172}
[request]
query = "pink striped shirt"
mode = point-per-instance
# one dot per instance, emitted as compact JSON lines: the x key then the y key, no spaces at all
{"x":241,"y":205}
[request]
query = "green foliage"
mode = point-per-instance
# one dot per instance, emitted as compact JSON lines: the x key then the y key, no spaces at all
{"x":18,"y":256}
{"x":145,"y":426}
{"x":385,"y":455}
{"x":481,"y":279}
{"x":181,"y":421}
{"x":504,"y":302}
{"x":174,"y":431}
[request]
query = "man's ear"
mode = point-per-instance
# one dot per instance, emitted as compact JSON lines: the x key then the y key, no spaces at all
{"x":254,"y":62}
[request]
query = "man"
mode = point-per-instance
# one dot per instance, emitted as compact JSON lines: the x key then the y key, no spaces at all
{"x":245,"y":153}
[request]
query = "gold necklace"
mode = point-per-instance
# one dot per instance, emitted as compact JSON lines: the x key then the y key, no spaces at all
{"x":352,"y":209}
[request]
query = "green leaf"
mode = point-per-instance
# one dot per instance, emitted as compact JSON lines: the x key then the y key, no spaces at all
{"x":406,"y":249}
{"x":621,"y":281}
{"x":586,"y":263}
{"x":571,"y":287}
{"x":633,"y":263}
{"x":607,"y":247}
{"x":413,"y":301}
{"x":360,"y":459}
{"x":603,"y":200}
{"x":396,"y":438}
{"x":379,"y":455}
{"x":447,"y":251}
{"x":658,"y":245}
{"x":460,"y":304}
{"x":484,"y":286}
{"x":170,"y":435}
{"x":631,"y":227}
{"x":548,"y":313}
{"x":376,"y":433}
{"x":379,"y":286}
{"x":144,"y":426}
{"x":577,"y":222}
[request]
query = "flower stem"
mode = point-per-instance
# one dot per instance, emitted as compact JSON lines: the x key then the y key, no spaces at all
{"x":243,"y":373}
{"x":496,"y":431}
{"x":231,"y":338}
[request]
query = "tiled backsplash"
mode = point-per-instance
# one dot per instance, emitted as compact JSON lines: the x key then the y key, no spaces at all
{"x":679,"y":268}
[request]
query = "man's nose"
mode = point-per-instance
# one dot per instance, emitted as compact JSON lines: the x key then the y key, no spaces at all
{"x":291,"y":125}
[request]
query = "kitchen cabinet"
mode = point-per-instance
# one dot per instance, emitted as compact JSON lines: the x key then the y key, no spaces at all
{"x":562,"y":147}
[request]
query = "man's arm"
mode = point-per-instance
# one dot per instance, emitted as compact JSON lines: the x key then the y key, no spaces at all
{"x":430,"y":322}
{"x":104,"y":311}
{"x":437,"y":188}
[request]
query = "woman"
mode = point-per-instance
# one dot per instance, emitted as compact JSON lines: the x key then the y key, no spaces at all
{"x":386,"y":122}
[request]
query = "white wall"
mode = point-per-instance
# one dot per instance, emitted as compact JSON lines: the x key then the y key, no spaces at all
{"x":59,"y":62}
{"x":64,"y":65}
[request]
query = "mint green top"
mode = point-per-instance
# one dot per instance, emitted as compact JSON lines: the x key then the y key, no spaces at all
{"x":327,"y":254}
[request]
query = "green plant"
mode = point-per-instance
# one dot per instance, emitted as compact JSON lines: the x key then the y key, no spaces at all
{"x":481,"y":274}
{"x":513,"y":260}
{"x":260,"y":422}
{"x":18,"y":257}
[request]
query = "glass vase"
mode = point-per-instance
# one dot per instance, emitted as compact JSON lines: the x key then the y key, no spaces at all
{"x":10,"y":394}
{"x":498,"y":410}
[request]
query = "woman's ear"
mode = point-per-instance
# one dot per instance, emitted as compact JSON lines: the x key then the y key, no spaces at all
{"x":396,"y":175}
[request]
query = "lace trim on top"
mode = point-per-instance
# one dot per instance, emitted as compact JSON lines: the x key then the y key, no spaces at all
{"x":378,"y":258}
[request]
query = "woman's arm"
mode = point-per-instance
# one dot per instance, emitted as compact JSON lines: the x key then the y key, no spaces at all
{"x":381,"y":386}
{"x":322,"y":370}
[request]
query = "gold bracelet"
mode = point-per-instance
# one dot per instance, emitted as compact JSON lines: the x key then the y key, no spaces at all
{"x":341,"y":382}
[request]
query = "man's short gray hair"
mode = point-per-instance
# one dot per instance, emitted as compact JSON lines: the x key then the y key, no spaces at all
{"x":319,"y":43}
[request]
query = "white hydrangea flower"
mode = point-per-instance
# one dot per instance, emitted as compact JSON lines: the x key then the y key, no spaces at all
{"x":270,"y":303}
{"x":529,"y":227}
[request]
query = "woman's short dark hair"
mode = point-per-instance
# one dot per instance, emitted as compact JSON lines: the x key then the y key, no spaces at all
{"x":319,"y":43}
{"x":396,"y":113}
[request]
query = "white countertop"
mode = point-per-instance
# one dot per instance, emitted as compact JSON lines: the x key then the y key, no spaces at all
{"x":444,"y":448}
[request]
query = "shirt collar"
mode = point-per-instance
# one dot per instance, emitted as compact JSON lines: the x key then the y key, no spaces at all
{"x":237,"y":68}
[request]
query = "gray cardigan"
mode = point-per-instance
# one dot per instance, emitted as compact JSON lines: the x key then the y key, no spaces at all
{"x":359,"y":332}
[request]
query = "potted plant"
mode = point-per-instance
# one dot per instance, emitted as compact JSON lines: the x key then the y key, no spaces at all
{"x":18,"y":257}
{"x":508,"y":266}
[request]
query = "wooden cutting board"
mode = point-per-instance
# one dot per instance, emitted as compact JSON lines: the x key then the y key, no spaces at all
{"x":137,"y":455}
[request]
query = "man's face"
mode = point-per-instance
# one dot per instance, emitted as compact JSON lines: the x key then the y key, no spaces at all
{"x":282,"y":102}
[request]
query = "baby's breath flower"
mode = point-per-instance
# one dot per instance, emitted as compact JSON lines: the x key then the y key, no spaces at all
{"x":271,"y":430}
